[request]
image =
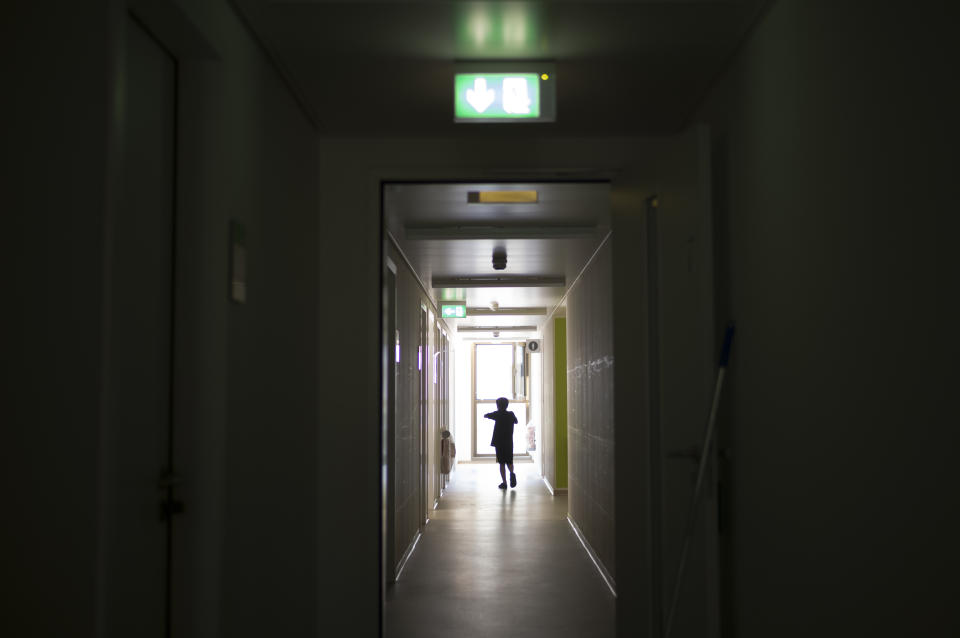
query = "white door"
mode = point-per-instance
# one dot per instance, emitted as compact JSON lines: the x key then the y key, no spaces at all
{"x":137,"y":435}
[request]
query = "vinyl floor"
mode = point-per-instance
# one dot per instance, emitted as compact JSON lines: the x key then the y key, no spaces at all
{"x":495,"y":563}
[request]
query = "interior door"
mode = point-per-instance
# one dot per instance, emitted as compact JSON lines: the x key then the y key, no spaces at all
{"x":392,"y":368}
{"x":137,"y":483}
{"x":423,"y":365}
{"x":682,"y":269}
{"x":436,"y":376}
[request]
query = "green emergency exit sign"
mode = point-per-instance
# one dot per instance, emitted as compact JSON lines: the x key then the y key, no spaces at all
{"x":453,"y":311}
{"x":504,"y":97}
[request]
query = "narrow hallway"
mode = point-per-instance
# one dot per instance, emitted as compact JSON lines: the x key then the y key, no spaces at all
{"x":499,"y":563}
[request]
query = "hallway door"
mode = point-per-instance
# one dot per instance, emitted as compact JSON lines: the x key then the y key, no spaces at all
{"x":424,"y":382}
{"x":137,"y":482}
{"x":436,"y":376}
{"x":390,"y":431}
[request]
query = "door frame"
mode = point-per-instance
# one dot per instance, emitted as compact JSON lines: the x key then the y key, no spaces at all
{"x":157,"y":497}
{"x":191,"y":51}
{"x":474,"y":455}
{"x":631,"y":171}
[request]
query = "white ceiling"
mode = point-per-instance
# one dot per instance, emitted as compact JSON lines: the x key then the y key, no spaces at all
{"x":560,"y":234}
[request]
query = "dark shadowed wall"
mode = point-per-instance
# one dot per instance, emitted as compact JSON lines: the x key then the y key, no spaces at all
{"x":835,"y":135}
{"x":55,"y":207}
{"x":245,"y":416}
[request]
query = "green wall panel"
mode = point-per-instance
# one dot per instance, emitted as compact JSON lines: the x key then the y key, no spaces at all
{"x":560,"y":397}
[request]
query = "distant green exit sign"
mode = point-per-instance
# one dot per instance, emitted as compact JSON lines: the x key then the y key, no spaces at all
{"x":453,"y":311}
{"x":504,"y":97}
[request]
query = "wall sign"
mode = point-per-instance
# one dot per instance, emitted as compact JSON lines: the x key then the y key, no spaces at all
{"x":503,"y":96}
{"x":453,"y":311}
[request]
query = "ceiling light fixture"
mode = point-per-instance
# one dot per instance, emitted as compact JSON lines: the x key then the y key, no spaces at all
{"x":496,"y":328}
{"x":498,"y":281}
{"x":509,"y":231}
{"x":499,"y":258}
{"x":502,"y":197}
{"x":521,"y":311}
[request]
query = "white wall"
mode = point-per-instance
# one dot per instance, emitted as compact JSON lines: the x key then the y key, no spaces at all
{"x":835,"y":135}
{"x":536,"y":408}
{"x":463,"y":429}
{"x":591,"y":437}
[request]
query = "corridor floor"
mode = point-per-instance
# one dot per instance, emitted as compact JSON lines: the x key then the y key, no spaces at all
{"x":495,"y":563}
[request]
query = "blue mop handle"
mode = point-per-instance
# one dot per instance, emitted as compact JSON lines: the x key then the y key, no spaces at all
{"x":727,"y":343}
{"x":701,"y":474}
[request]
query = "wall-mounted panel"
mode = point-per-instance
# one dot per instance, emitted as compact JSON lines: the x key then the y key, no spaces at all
{"x":590,"y":428}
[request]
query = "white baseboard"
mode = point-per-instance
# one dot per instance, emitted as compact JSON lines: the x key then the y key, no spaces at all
{"x":492,"y":460}
{"x":553,"y":490}
{"x":607,"y":578}
{"x":406,"y":556}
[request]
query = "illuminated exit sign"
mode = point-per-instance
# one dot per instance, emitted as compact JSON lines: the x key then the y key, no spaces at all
{"x":453,"y":311}
{"x":505,"y":96}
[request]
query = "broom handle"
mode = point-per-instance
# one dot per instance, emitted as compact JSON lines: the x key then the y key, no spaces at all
{"x":701,"y":473}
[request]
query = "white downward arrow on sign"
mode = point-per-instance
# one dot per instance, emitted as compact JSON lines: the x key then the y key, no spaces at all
{"x":480,"y":97}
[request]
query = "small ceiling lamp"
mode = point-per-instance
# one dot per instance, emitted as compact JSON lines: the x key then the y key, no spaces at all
{"x":499,"y":258}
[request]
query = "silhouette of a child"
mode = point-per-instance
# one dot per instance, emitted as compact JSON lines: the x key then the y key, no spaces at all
{"x":503,"y":421}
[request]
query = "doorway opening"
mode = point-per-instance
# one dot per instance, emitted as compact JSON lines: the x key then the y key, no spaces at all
{"x":488,"y":297}
{"x":500,"y":369}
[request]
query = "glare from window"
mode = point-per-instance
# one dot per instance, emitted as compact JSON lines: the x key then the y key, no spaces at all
{"x":494,"y":371}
